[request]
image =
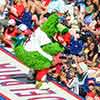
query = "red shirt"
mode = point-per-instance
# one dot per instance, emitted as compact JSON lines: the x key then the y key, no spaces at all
{"x":91,"y":94}
{"x":20,"y":10}
{"x":57,"y":59}
{"x":46,"y":2}
{"x":98,"y":37}
{"x":98,"y":28}
{"x":67,"y":38}
{"x":58,"y":68}
{"x":8,"y":34}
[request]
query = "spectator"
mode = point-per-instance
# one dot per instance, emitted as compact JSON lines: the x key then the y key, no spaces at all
{"x":11,"y":31}
{"x":27,"y":18}
{"x":23,"y":34}
{"x":38,"y":10}
{"x":72,"y":82}
{"x":16,"y":10}
{"x":92,"y":55}
{"x":81,"y":19}
{"x":57,"y":5}
{"x":3,"y":13}
{"x":93,"y":93}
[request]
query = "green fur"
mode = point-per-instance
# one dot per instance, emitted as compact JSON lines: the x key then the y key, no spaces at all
{"x":53,"y":48}
{"x":49,"y":27}
{"x":32,"y":59}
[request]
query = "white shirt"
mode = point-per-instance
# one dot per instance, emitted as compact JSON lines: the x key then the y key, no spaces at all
{"x":58,"y":5}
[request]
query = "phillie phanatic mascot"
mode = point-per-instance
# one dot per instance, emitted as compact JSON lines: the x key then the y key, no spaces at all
{"x":39,"y":51}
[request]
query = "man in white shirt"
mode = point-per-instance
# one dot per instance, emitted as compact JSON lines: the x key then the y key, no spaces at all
{"x":56,"y":5}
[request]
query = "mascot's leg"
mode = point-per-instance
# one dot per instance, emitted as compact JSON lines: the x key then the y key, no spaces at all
{"x":41,"y":79}
{"x":42,"y":84}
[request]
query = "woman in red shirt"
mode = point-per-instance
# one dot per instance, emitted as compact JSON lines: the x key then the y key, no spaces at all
{"x":93,"y":93}
{"x":17,"y":10}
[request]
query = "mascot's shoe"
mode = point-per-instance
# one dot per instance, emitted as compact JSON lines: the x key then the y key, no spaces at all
{"x":38,"y":84}
{"x":42,"y":85}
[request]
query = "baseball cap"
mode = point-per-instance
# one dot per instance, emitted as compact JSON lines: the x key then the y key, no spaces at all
{"x":91,"y":82}
{"x":11,"y":22}
{"x":22,"y":27}
{"x":88,"y":19}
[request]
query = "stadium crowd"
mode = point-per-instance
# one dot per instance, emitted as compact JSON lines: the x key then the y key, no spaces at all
{"x":78,"y":66}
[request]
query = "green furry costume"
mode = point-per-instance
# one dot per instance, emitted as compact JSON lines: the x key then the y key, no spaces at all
{"x":36,"y":60}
